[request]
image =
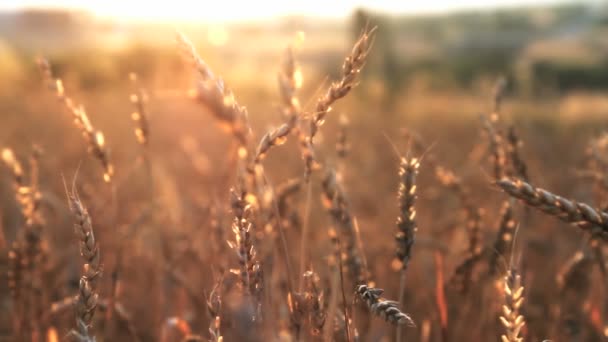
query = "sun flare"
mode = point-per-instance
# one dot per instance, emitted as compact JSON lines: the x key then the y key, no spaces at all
{"x":186,"y":10}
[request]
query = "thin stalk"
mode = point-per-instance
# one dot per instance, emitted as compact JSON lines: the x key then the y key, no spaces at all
{"x":304,"y":238}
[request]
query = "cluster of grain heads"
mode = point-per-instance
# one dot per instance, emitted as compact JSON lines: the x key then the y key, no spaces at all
{"x":386,"y":309}
{"x":212,"y":93}
{"x":26,"y":193}
{"x":511,"y":319}
{"x":26,"y":254}
{"x":94,"y":138}
{"x":248,"y":303}
{"x":87,"y":298}
{"x":577,"y":213}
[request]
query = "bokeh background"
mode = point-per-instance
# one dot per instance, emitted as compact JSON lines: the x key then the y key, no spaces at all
{"x":429,"y":78}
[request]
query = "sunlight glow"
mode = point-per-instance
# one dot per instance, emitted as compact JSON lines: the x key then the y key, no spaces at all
{"x":217,"y":35}
{"x":187,"y":10}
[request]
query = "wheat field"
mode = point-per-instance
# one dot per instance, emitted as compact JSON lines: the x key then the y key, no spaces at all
{"x":296,"y":203}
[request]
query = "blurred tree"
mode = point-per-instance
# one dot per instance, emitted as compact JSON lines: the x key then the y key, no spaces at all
{"x":384,"y":61}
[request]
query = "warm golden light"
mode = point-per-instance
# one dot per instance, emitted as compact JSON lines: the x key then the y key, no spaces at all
{"x":217,"y":35}
{"x":183,"y":10}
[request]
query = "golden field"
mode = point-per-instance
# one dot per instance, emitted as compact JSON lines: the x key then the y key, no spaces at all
{"x":208,"y":222}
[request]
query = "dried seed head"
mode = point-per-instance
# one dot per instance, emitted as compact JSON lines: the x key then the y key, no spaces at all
{"x":511,"y":319}
{"x":94,"y":138}
{"x":387,"y":309}
{"x":406,"y":222}
{"x":87,"y":298}
{"x":351,"y":68}
{"x":577,"y":213}
{"x":215,"y":96}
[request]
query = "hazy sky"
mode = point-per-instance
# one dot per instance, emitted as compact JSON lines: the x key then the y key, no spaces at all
{"x":256,"y":9}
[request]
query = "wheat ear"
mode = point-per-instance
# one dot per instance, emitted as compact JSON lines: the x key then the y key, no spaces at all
{"x":94,"y":138}
{"x":387,"y":309}
{"x":577,"y":213}
{"x":215,"y":96}
{"x":351,"y":68}
{"x":406,"y":222}
{"x":511,"y":319}
{"x":87,"y":298}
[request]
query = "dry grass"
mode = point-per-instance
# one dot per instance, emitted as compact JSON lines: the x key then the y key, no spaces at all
{"x":200,"y":228}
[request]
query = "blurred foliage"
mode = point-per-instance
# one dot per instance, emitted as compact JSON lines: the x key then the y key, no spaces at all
{"x":533,"y":47}
{"x":466,"y":47}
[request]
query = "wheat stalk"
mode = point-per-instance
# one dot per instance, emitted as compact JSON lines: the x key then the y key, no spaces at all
{"x":94,"y":138}
{"x":577,"y":213}
{"x":250,"y":271}
{"x":511,"y":318}
{"x":406,"y":221}
{"x":274,"y":137}
{"x":215,"y":96}
{"x":87,"y":298}
{"x":387,"y":309}
{"x":351,"y":68}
